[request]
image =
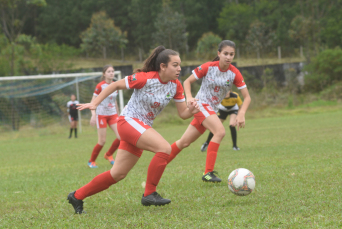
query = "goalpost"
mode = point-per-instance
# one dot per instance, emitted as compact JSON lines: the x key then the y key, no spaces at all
{"x":40,"y":100}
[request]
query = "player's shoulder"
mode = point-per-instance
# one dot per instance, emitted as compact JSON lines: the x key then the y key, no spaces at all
{"x":101,"y":83}
{"x":146,"y":75}
{"x":233,"y":69}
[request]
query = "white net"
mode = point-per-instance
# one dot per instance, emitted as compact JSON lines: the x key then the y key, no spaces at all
{"x":40,"y":101}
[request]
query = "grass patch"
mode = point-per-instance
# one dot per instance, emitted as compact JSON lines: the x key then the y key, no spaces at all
{"x":295,"y":159}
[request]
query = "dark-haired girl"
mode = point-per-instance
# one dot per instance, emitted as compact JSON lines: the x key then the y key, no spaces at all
{"x":154,"y":86}
{"x":218,"y":76}
{"x":106,"y":114}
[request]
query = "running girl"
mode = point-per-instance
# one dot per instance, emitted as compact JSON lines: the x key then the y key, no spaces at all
{"x":217,"y":77}
{"x":154,"y":86}
{"x":106,"y":113}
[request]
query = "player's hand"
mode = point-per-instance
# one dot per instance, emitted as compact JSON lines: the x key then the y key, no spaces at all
{"x":189,"y":101}
{"x":240,"y":121}
{"x":194,"y":107}
{"x":83,"y":106}
{"x":92,"y":121}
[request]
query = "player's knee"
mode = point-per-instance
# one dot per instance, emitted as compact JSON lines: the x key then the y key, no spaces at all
{"x":166,"y":148}
{"x":184,"y":144}
{"x":101,"y":142}
{"x":220,"y":133}
{"x":119,"y":176}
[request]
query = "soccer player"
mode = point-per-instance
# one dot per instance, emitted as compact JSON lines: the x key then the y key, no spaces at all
{"x":73,"y":114}
{"x":154,"y":86}
{"x":229,"y":106}
{"x":106,"y":114}
{"x":217,"y":76}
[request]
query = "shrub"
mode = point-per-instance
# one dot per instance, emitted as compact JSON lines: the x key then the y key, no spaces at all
{"x":324,"y":70}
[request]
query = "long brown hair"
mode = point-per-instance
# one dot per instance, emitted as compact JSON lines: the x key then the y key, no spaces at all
{"x":104,"y":70}
{"x":223,"y":44}
{"x":158,"y":56}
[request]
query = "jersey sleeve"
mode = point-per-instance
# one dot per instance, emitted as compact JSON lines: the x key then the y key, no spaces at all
{"x":239,"y":101}
{"x":179,"y":96}
{"x":97,"y":90}
{"x":137,"y":80}
{"x":239,"y":82}
{"x":201,"y":70}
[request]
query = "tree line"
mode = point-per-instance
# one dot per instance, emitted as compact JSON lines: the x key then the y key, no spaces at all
{"x":49,"y":29}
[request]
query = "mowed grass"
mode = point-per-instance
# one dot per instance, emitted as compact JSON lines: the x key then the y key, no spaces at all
{"x":296,"y":161}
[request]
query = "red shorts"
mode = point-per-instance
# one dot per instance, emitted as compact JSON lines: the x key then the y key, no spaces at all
{"x":130,"y":130}
{"x":102,"y":120}
{"x":199,"y":117}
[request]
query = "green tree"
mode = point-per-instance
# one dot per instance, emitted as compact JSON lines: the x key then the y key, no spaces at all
{"x":13,"y":14}
{"x":101,"y":35}
{"x":171,"y":29}
{"x":234,"y":21}
{"x":207,"y":45}
{"x":259,"y":37}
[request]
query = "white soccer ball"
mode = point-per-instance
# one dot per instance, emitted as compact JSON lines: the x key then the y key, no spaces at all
{"x":241,"y":182}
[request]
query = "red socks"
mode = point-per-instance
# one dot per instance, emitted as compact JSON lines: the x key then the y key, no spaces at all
{"x":174,"y":151}
{"x":211,"y":156}
{"x":95,"y":152}
{"x":155,"y":171}
{"x":114,"y":146}
{"x":99,"y":183}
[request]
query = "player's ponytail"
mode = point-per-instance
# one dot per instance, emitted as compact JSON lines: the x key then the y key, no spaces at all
{"x":104,"y":69}
{"x":223,"y":44}
{"x":158,"y":56}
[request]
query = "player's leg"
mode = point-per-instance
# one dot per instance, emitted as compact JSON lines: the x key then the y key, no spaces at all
{"x":190,"y":135}
{"x":214,"y":125}
{"x":101,"y":124}
{"x":152,"y":141}
{"x":75,"y":126}
{"x":233,"y":131}
{"x":125,"y":162}
{"x":222,"y":116}
{"x":71,"y":126}
{"x":115,"y":144}
{"x":144,"y":137}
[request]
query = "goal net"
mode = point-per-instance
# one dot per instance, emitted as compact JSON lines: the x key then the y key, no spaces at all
{"x":41,"y":100}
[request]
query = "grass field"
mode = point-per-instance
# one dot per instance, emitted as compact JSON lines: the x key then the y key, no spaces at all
{"x":296,"y":160}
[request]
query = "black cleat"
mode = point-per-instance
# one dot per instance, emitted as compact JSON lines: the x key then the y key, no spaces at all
{"x":204,"y":146}
{"x":154,"y":199}
{"x":77,"y":204}
{"x":211,"y":177}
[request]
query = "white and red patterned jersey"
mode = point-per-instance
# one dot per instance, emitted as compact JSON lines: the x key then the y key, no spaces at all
{"x":150,"y":95}
{"x":216,"y":83}
{"x":107,"y":106}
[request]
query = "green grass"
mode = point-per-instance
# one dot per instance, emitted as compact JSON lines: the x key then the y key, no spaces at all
{"x":296,"y":160}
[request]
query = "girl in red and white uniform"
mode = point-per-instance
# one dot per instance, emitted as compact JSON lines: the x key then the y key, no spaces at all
{"x":217,"y":76}
{"x":154,"y":86}
{"x":106,"y":114}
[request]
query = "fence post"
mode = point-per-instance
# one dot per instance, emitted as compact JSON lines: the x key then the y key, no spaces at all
{"x":279,"y":52}
{"x":301,"y":51}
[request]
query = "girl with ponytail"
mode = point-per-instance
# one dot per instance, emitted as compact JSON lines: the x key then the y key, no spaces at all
{"x":155,"y":84}
{"x":218,"y":76}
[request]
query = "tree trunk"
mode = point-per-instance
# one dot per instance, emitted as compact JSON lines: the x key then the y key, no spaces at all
{"x":104,"y":52}
{"x":12,"y":59}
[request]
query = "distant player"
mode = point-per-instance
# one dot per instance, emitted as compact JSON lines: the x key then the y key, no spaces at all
{"x":229,"y":106}
{"x":154,"y":86}
{"x":106,"y":114}
{"x":73,"y":114}
{"x":217,"y":76}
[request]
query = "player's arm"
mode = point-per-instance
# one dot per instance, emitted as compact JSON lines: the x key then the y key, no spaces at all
{"x":118,"y":85}
{"x":185,"y":111}
{"x":187,"y":88}
{"x":240,"y":118}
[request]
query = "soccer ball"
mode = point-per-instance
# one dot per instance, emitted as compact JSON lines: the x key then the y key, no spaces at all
{"x":241,"y":182}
